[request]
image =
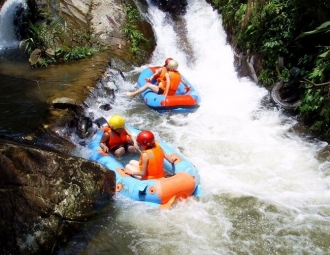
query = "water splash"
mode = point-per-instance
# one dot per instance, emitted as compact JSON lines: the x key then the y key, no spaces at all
{"x":266,"y":189}
{"x":11,"y":16}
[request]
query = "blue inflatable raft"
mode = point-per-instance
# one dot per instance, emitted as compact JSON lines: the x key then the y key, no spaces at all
{"x":182,"y":181}
{"x":181,"y":102}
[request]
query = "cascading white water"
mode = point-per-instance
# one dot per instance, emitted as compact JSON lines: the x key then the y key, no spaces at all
{"x":10,"y":11}
{"x":266,"y":189}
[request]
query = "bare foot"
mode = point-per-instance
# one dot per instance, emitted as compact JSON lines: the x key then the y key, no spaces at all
{"x":129,"y":94}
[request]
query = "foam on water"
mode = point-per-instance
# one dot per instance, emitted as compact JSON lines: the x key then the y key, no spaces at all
{"x":11,"y":10}
{"x":265,"y":189}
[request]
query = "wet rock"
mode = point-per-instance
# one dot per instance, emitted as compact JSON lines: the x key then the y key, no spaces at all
{"x":35,"y":56}
{"x":65,"y":103}
{"x":85,"y":127}
{"x":106,"y":107}
{"x":101,"y":122}
{"x":46,"y":197}
{"x":107,"y":18}
{"x":176,"y":7}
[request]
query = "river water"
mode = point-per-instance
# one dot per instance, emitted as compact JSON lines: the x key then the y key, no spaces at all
{"x":26,"y":93}
{"x":265,"y":186}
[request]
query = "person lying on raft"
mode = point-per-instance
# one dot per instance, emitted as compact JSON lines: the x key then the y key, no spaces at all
{"x":117,"y":138}
{"x":169,"y":81}
{"x":151,"y":163}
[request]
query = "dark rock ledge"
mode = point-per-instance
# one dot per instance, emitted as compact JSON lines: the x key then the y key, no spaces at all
{"x":46,"y":196}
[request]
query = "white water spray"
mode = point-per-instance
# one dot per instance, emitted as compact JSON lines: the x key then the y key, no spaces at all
{"x":10,"y":11}
{"x":265,"y":189}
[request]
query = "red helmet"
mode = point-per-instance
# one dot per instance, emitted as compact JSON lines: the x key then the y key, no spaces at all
{"x":168,"y":60}
{"x":146,"y":138}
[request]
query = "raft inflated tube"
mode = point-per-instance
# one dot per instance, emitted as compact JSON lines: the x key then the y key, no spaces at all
{"x":183,"y":182}
{"x":185,"y":100}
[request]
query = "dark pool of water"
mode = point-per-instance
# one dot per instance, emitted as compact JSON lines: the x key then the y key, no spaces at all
{"x":25,"y":91}
{"x":22,"y":107}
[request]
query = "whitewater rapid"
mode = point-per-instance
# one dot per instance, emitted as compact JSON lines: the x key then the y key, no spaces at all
{"x":266,"y":187}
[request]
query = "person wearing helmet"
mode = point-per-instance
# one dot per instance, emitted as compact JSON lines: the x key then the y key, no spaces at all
{"x":168,"y":81}
{"x":159,"y":75}
{"x":151,"y":162}
{"x":160,"y":72}
{"x":117,"y":138}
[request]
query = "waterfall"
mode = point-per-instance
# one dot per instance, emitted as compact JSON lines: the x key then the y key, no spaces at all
{"x":266,"y":186}
{"x":11,"y":16}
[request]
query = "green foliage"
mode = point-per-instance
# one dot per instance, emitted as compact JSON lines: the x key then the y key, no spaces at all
{"x":321,"y":71}
{"x":322,"y":125}
{"x":263,"y":27}
{"x":265,"y":77}
{"x":312,"y":101}
{"x":78,"y":53}
{"x":57,"y":43}
{"x":284,"y":75}
{"x":326,"y":54}
{"x":323,"y":28}
{"x":131,"y":30}
{"x":43,"y":37}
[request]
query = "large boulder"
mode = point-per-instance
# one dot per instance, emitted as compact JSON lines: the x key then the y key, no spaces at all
{"x":46,"y":196}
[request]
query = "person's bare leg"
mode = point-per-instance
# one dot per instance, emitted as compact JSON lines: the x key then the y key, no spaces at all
{"x":131,"y":149}
{"x":154,"y":88}
{"x":119,"y":153}
{"x":132,"y":167}
{"x":133,"y":163}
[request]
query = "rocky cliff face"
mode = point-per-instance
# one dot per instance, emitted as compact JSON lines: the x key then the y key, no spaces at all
{"x":46,"y":196}
{"x":104,"y":18}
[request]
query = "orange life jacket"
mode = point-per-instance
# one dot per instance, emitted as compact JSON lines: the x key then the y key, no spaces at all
{"x":115,"y":138}
{"x":155,"y":168}
{"x":175,"y":79}
{"x":161,"y":76}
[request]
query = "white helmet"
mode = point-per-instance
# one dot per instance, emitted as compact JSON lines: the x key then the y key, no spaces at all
{"x":172,"y":64}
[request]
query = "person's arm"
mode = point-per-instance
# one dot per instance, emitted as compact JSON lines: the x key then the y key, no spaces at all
{"x":103,"y":142}
{"x":187,"y":87}
{"x":168,"y":84}
{"x":136,"y":146}
{"x":168,"y":157}
{"x":144,"y":164}
{"x":154,"y":75}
